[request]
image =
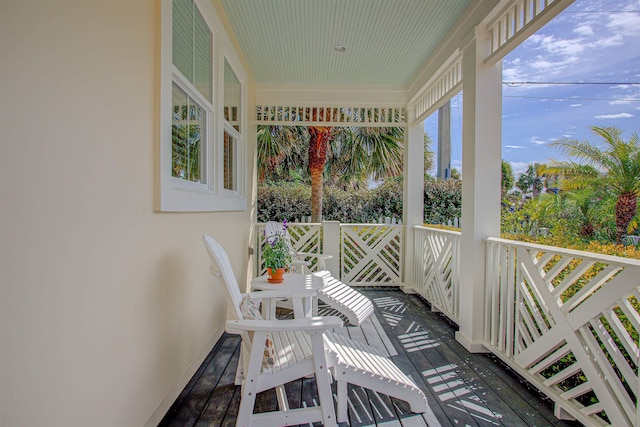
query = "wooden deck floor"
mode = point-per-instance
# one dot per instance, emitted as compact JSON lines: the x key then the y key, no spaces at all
{"x":463,"y":389}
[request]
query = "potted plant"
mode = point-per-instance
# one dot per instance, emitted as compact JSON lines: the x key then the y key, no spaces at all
{"x":277,"y":256}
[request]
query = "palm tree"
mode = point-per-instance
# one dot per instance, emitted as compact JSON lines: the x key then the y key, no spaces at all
{"x":347,"y":156}
{"x":319,"y":138}
{"x":280,"y":152}
{"x":360,"y":154}
{"x":428,"y":154}
{"x":531,"y":180}
{"x":617,"y":160}
{"x":506,"y":177}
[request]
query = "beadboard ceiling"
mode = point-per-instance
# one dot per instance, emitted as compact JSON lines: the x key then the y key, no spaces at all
{"x":292,"y":41}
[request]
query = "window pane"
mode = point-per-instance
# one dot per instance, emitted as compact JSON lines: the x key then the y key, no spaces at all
{"x":182,"y":47}
{"x":187,"y":129}
{"x":230,"y":181}
{"x":232,"y":92}
{"x":203,"y":75}
{"x":192,"y":44}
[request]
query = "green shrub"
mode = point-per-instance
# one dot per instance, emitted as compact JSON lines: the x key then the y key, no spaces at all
{"x":277,"y":202}
{"x":443,"y":202}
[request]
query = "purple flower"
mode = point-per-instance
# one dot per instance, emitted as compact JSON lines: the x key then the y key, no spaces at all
{"x":284,"y":224}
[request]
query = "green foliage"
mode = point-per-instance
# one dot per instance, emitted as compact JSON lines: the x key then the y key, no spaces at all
{"x":583,"y":215}
{"x":276,"y":202}
{"x":428,"y":154}
{"x":276,"y":252}
{"x":619,"y":162}
{"x":506,"y":177}
{"x":532,"y":179}
{"x":442,"y":200}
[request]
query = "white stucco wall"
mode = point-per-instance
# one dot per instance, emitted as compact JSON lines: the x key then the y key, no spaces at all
{"x":106,"y":307}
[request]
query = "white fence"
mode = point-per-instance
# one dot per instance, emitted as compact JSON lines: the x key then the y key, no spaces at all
{"x":363,"y":254}
{"x":567,"y":321}
{"x":305,"y":237}
{"x":437,"y":268}
{"x":371,"y":254}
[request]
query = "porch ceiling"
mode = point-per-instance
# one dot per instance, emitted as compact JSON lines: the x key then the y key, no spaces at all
{"x":388,"y":41}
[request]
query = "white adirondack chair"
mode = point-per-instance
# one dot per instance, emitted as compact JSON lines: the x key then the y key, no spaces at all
{"x":303,"y":347}
{"x":298,"y":352}
{"x":273,"y":228}
{"x":355,"y":306}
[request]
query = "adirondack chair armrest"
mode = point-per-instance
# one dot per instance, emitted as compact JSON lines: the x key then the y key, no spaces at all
{"x":308,"y":324}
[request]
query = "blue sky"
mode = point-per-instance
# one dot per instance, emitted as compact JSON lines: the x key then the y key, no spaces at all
{"x":590,"y":41}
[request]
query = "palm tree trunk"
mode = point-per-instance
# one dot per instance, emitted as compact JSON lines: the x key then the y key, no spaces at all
{"x":625,"y":211}
{"x":319,"y":138}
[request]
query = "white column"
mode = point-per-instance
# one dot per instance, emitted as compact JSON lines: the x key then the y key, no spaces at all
{"x":331,"y":246}
{"x":413,"y":193}
{"x":481,"y":154}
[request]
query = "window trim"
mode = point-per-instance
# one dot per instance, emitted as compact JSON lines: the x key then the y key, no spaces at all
{"x":178,"y":195}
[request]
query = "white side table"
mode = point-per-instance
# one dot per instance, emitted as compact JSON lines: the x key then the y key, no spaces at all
{"x":302,"y":287}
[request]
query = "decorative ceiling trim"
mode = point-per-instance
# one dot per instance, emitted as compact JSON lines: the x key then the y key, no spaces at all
{"x":304,"y":115}
{"x":438,"y":89}
{"x":518,"y":20}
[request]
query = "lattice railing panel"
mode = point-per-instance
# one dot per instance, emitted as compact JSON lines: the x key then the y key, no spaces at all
{"x":371,"y":254}
{"x":305,"y":237}
{"x":437,"y":268}
{"x":568,"y":321}
{"x":300,"y":115}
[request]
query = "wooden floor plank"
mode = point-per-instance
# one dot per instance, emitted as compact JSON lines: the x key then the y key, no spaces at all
{"x":509,"y":389}
{"x":222,"y":395}
{"x":390,"y":348}
{"x":483,"y":403}
{"x":372,"y":335}
{"x":462,"y":389}
{"x":513,"y":406}
{"x":414,"y":362}
{"x":197,"y":394}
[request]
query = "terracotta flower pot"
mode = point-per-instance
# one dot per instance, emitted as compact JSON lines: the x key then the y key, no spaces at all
{"x":276,"y":275}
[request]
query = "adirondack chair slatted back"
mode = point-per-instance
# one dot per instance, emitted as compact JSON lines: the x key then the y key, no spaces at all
{"x":221,"y":266}
{"x":273,"y":228}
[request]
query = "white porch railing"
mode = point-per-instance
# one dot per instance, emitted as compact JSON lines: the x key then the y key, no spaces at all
{"x":437,"y":268}
{"x":567,"y":321}
{"x":304,"y":237}
{"x":371,"y":254}
{"x":364,"y":254}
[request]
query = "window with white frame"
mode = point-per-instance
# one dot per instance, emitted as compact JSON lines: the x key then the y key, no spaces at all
{"x":201,"y":155}
{"x":232,"y":136}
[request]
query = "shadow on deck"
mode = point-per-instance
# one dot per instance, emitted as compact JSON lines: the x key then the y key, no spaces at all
{"x":463,"y":389}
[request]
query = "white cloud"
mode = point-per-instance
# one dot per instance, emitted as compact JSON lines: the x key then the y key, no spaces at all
{"x":624,"y":100}
{"x":620,"y":86}
{"x":519,"y":167}
{"x":627,"y":24}
{"x":535,"y":140}
{"x":583,"y":30}
{"x":514,"y":146}
{"x":614,"y":116}
{"x":612,"y":41}
{"x":576,"y":105}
